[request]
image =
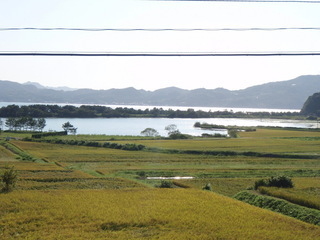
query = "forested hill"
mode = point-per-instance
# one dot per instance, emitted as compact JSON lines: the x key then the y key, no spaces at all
{"x":312,"y":106}
{"x":85,"y":111}
{"x":289,"y":94}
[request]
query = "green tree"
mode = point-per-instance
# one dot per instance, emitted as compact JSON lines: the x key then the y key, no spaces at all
{"x":69,"y":128}
{"x":31,"y":124}
{"x":172,"y":129}
{"x":41,"y":123}
{"x":9,"y":178}
{"x":312,"y":106}
{"x":73,"y":131}
{"x":10,"y":122}
{"x":66,"y":126}
{"x":150,"y":132}
{"x":233,"y":133}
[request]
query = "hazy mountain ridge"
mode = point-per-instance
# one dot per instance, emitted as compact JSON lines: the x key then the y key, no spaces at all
{"x":290,"y":94}
{"x":38,"y":85}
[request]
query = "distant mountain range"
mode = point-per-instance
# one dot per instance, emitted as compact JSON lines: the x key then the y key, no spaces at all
{"x":289,"y":94}
{"x":38,"y":85}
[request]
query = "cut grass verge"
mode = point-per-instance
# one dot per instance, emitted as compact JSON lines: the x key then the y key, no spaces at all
{"x":278,"y":205}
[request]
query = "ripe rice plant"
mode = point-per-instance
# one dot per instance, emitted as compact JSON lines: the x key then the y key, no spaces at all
{"x":6,"y":155}
{"x":293,"y":195}
{"x":225,"y":186}
{"x":141,"y":214}
{"x":274,"y":133}
{"x":72,"y":184}
{"x":261,"y":142}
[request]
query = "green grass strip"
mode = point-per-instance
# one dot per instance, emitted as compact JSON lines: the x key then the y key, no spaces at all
{"x":281,"y":206}
{"x":23,"y":155}
{"x":140,"y":147}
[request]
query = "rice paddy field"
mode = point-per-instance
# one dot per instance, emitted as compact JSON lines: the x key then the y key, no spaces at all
{"x":84,"y":192}
{"x":141,"y":214}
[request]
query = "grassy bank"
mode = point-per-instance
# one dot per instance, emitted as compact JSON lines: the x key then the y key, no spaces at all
{"x":281,"y":206}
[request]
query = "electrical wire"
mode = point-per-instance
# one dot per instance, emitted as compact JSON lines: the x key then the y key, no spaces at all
{"x":158,"y":29}
{"x":161,"y":54}
{"x":248,"y":1}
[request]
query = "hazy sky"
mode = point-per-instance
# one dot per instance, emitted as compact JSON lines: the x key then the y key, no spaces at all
{"x":157,"y":72}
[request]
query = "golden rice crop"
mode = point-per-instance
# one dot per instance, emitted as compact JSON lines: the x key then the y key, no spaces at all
{"x":89,"y":183}
{"x":257,"y":144}
{"x":6,"y":155}
{"x":56,"y":174}
{"x":141,"y":214}
{"x":272,"y":133}
{"x":113,"y":161}
{"x":225,"y":186}
{"x":27,"y":166}
{"x":304,"y":197}
{"x":307,"y":182}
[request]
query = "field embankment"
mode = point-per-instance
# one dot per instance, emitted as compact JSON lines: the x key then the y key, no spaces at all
{"x":281,"y":206}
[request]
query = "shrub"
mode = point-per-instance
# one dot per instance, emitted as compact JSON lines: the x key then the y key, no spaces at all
{"x":260,"y":183}
{"x":179,"y":136}
{"x":279,"y":181}
{"x":9,"y":178}
{"x":91,"y":144}
{"x":142,"y":174}
{"x":197,"y":124}
{"x":165,"y":184}
{"x":207,"y":187}
{"x":132,"y":147}
{"x":233,"y":133}
{"x":47,"y":134}
{"x":216,"y":135}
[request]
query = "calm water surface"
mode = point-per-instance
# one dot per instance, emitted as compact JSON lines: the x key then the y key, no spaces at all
{"x":133,"y":126}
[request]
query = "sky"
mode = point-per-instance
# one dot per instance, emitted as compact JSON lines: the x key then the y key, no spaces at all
{"x":151,"y":73}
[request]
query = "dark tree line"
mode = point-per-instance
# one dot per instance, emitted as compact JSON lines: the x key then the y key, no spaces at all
{"x":312,"y":106}
{"x":85,"y":111}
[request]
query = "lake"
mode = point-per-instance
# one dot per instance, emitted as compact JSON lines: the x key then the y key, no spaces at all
{"x":133,"y":126}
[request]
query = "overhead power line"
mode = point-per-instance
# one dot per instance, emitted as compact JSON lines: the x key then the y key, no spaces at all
{"x":249,"y":1}
{"x":161,"y":54}
{"x":158,"y":29}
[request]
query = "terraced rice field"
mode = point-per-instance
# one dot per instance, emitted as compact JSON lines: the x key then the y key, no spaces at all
{"x":78,"y":192}
{"x":141,"y":214}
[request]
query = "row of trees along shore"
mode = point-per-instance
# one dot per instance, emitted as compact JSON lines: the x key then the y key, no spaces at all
{"x":24,"y":123}
{"x":85,"y":111}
